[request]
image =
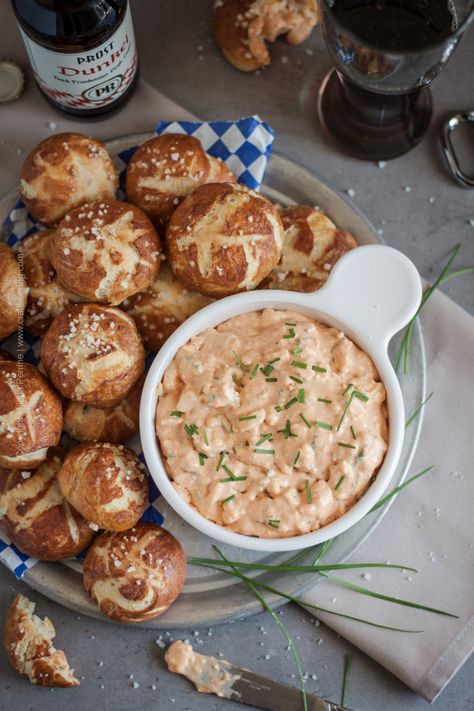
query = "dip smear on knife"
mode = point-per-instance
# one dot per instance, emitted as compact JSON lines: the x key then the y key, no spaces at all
{"x":271,"y":424}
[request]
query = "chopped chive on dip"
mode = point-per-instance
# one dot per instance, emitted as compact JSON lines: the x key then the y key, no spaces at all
{"x":221,"y":459}
{"x":287,"y":430}
{"x":191,"y":430}
{"x":226,"y":501}
{"x":305,"y":420}
{"x":299,"y":364}
{"x":290,"y":324}
{"x":237,"y":381}
{"x":354,"y":436}
{"x":202,"y":459}
{"x":324,"y":399}
{"x":291,"y":334}
{"x":319,"y":369}
{"x":229,"y":478}
{"x":347,"y":389}
{"x":340,"y":482}
{"x":274,"y":523}
{"x":359,"y":396}
{"x":296,"y":459}
{"x":228,"y":471}
{"x":176,"y":413}
{"x":301,"y":396}
{"x":309,"y":495}
{"x":267,"y":370}
{"x":323,"y":425}
{"x":275,"y":360}
{"x":271,"y":380}
{"x":264,"y":451}
{"x":205,"y":438}
{"x":290,"y":403}
{"x":254,"y":371}
{"x":348,"y":446}
{"x":278,"y":408}
{"x":296,"y":351}
{"x":296,"y":380}
{"x":247,"y":417}
{"x":264,"y":438}
{"x":240,"y":363}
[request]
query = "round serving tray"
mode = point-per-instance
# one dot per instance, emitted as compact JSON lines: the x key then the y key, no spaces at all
{"x":209,"y":597}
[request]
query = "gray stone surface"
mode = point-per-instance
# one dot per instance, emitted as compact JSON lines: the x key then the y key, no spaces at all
{"x":178,"y":57}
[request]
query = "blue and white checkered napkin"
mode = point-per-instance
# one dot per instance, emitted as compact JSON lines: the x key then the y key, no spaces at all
{"x":245,"y":146}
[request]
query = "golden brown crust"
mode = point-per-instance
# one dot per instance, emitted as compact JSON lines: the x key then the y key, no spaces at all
{"x":135,"y":575}
{"x":35,"y":515}
{"x":311,"y":246}
{"x":106,"y":483}
{"x":117,"y":425}
{"x":12,"y":292}
{"x":93,"y":354}
{"x":30,"y":416}
{"x":105,"y":251}
{"x":224,"y":238}
{"x":46,"y":296}
{"x":63,"y":172}
{"x":167,"y":168}
{"x":163,"y":307}
{"x":242,"y":27}
{"x":29,"y":646}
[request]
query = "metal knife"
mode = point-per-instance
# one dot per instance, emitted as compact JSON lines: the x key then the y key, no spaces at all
{"x":256,"y":690}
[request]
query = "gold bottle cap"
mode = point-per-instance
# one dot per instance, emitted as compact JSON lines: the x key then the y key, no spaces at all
{"x":12,"y":81}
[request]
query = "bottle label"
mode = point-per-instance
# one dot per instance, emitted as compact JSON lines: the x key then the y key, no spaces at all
{"x":90,"y":79}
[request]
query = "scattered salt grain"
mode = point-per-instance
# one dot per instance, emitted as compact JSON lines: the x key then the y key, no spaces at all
{"x":52,"y":125}
{"x":381,"y":164}
{"x":135,"y":685}
{"x":470,"y":222}
{"x":407,"y":189}
{"x":351,"y":192}
{"x":367,"y":576}
{"x":432,"y":199}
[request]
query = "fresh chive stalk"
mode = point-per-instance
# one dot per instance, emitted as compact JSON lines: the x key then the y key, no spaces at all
{"x":309,"y":495}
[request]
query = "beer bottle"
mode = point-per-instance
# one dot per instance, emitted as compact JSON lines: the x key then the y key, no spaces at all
{"x":82,"y":52}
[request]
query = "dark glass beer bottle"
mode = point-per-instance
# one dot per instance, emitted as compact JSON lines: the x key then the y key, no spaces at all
{"x":82,"y":52}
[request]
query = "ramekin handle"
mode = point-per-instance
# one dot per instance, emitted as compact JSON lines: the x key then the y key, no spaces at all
{"x":374,"y":290}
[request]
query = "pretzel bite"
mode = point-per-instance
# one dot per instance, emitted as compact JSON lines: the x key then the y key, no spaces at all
{"x":93,"y":354}
{"x":46,"y":296}
{"x":163,"y":307}
{"x":224,"y":238}
{"x":167,"y":168}
{"x":63,"y":172}
{"x":105,"y":251}
{"x":88,"y":424}
{"x":35,"y":515}
{"x":135,"y":575}
{"x":12,"y":293}
{"x":30,"y":416}
{"x":28,"y":642}
{"x":311,"y":246}
{"x":106,"y":483}
{"x":242,"y":27}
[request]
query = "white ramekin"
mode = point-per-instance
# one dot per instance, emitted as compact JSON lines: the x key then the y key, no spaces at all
{"x":372,"y":292}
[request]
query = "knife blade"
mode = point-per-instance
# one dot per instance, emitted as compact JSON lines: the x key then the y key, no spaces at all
{"x":264,"y":693}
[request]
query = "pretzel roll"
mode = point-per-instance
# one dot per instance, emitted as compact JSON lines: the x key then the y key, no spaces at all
{"x":30,"y":416}
{"x":135,"y":575}
{"x":46,"y":296}
{"x":88,"y":424}
{"x":311,"y":246}
{"x":163,"y":307}
{"x":167,"y":168}
{"x":105,"y":251}
{"x":106,"y":483}
{"x":242,"y":27}
{"x":12,"y":293}
{"x":35,"y":515}
{"x":63,"y":172}
{"x":29,"y":646}
{"x":93,"y":354}
{"x":224,"y":238}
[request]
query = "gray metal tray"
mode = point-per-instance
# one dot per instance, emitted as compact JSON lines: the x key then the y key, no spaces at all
{"x":209,"y":597}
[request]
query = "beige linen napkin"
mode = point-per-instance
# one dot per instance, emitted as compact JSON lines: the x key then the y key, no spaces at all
{"x":430,"y":525}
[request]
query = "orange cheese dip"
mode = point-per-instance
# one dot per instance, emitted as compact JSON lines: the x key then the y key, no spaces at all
{"x":271,"y":424}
